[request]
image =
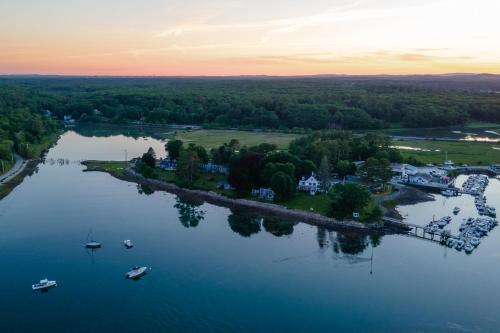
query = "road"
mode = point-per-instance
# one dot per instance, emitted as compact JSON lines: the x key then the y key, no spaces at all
{"x":14,"y":171}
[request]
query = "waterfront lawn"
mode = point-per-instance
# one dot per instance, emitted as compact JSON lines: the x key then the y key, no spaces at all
{"x":471,"y":153}
{"x":116,"y":168}
{"x":214,"y":138}
{"x":320,"y":203}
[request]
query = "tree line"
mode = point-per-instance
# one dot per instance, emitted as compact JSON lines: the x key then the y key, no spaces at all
{"x":288,"y":103}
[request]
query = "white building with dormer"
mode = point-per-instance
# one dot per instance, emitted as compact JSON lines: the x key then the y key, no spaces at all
{"x":311,"y":184}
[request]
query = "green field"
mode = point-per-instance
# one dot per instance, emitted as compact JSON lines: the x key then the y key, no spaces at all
{"x":472,"y":153}
{"x":215,"y":138}
{"x":320,"y":203}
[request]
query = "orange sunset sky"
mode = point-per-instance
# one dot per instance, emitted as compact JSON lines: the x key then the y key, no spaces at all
{"x":224,"y":37}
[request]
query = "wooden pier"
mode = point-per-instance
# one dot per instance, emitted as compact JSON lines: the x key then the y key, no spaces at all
{"x":418,"y":231}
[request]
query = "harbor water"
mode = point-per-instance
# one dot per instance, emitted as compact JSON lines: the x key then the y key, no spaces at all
{"x":213,"y":270}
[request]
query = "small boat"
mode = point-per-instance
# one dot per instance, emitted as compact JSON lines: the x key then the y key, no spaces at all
{"x":456,"y":210}
{"x":451,"y":242}
{"x":44,"y":284}
{"x":93,"y":245}
{"x":459,"y":245}
{"x":474,"y":241}
{"x":136,"y":272}
{"x":448,"y":193}
{"x":468,"y":248}
{"x":491,"y":211}
{"x":442,"y":223}
{"x":128,"y":243}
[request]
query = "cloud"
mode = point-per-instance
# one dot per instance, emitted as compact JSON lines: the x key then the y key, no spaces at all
{"x":415,"y":57}
{"x":294,"y":24}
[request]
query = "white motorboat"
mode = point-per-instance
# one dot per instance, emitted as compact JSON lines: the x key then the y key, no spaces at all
{"x":136,"y":272}
{"x":448,"y":193}
{"x":128,"y":243}
{"x":44,"y":284}
{"x":474,"y":241}
{"x":93,"y":245}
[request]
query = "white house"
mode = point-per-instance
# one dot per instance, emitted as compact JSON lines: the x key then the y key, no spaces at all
{"x":311,"y":185}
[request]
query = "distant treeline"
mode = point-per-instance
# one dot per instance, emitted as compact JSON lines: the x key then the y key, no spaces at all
{"x":276,"y":103}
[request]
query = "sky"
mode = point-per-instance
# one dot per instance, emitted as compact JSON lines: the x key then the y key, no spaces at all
{"x":257,"y":37}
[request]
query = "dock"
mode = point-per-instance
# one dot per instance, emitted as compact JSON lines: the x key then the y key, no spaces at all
{"x":418,"y":231}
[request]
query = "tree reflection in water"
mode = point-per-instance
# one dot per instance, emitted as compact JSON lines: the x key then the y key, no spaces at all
{"x":278,"y":227}
{"x":346,"y":242}
{"x":143,"y":189}
{"x":190,"y":214}
{"x":244,"y":225}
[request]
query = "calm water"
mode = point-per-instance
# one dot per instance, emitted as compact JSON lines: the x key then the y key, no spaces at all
{"x":215,"y":271}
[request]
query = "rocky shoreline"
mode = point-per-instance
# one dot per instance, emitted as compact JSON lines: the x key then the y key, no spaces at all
{"x":268,"y":209}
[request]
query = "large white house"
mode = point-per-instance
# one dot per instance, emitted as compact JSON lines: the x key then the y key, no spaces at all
{"x":311,"y":184}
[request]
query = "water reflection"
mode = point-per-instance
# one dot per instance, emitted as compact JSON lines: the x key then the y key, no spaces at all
{"x":278,"y":227}
{"x":243,"y":225}
{"x":190,"y":213}
{"x":351,"y":243}
{"x":143,"y":189}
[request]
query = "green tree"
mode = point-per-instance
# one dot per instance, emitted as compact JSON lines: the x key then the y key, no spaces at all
{"x":283,"y":185}
{"x":200,"y":151}
{"x":376,"y":170}
{"x":324,"y":173}
{"x":348,"y":198}
{"x":345,"y":168}
{"x":149,"y":159}
{"x":173,"y":148}
{"x":188,"y":166}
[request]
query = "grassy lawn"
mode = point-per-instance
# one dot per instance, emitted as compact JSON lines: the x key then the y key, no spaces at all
{"x":113,"y":167}
{"x":215,"y":138}
{"x":472,"y":153}
{"x":303,"y":201}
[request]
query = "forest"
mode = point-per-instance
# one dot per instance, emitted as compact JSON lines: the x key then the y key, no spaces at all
{"x":261,"y":102}
{"x":22,"y":131}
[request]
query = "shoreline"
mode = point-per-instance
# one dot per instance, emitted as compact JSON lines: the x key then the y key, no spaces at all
{"x":27,"y":168}
{"x":268,"y":209}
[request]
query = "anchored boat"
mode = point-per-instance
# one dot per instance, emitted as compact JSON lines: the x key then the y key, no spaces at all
{"x":92,"y":244}
{"x":44,"y":284}
{"x":136,"y":272}
{"x":128,"y":243}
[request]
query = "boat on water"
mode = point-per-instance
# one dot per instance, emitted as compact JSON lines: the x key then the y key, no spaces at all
{"x":448,"y":193}
{"x":128,"y":243}
{"x":91,"y":243}
{"x":459,"y":245}
{"x":136,"y":272}
{"x":44,"y":284}
{"x":474,"y":241}
{"x":456,"y":210}
{"x":491,"y":211}
{"x":468,"y":248}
